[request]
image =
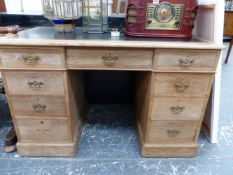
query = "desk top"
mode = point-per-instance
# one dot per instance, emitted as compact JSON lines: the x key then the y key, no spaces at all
{"x":47,"y":36}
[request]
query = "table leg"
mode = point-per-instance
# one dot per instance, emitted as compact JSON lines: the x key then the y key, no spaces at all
{"x":229,"y":50}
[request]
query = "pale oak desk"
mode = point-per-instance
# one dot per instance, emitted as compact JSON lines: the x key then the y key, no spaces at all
{"x":46,"y":98}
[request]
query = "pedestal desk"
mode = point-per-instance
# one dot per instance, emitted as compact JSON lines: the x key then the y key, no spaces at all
{"x":43,"y":77}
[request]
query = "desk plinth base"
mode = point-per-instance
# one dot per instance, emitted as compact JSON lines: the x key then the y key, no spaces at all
{"x":165,"y":150}
{"x":36,"y":149}
{"x":51,"y":149}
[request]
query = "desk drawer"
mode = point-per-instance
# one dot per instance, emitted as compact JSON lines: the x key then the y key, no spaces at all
{"x":186,"y":60}
{"x":109,"y":59}
{"x":32,"y":58}
{"x":172,"y":132}
{"x":182,"y":85}
{"x":35,"y":106}
{"x":165,"y":108}
{"x":43,"y":130}
{"x":35,"y":83}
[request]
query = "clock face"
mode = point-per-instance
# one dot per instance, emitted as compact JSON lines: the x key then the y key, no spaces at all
{"x":164,"y":12}
{"x":164,"y":16}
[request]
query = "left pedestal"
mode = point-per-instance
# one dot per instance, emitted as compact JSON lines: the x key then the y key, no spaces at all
{"x":45,"y":112}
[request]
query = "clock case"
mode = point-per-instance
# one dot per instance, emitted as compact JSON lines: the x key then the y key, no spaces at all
{"x":136,"y":23}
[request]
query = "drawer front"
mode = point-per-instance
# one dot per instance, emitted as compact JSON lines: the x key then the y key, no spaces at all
{"x":165,"y":108}
{"x":172,"y":131}
{"x":35,"y":83}
{"x":32,"y":58}
{"x":109,"y":59}
{"x":185,"y":85}
{"x":43,"y":130}
{"x":35,"y":106}
{"x":186,"y":60}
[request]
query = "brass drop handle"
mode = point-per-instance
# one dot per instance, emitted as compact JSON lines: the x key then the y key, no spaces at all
{"x":35,"y":84}
{"x":109,"y":59}
{"x":182,"y":86}
{"x":186,"y":61}
{"x":173,"y":132}
{"x":30,"y":59}
{"x":39,"y":107}
{"x":177,"y":109}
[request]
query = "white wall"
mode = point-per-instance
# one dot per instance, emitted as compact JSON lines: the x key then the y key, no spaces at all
{"x":209,"y":26}
{"x":24,"y":6}
{"x":218,"y":38}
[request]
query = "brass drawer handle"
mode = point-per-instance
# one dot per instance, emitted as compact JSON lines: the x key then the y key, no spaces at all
{"x":30,"y":59}
{"x":182,"y":86}
{"x":177,"y":109}
{"x":109,"y":59}
{"x":39,"y":107}
{"x":35,"y":84}
{"x":173,"y":132}
{"x":186,"y":61}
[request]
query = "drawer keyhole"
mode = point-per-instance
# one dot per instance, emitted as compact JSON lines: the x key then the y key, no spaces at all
{"x":42,"y":122}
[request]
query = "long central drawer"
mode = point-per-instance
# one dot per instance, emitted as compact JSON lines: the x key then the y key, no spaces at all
{"x":109,"y":58}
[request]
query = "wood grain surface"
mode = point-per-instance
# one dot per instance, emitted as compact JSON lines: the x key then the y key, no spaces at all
{"x":189,"y":60}
{"x":32,"y":58}
{"x":29,"y":106}
{"x":43,"y":130}
{"x":18,"y":83}
{"x":191,"y":108}
{"x":159,"y":132}
{"x":182,"y":85}
{"x":109,"y":58}
{"x":228,"y":23}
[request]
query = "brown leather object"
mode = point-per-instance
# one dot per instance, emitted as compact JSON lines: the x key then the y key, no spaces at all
{"x":11,"y":138}
{"x":10,"y":29}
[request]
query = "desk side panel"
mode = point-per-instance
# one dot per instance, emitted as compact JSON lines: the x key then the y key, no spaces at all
{"x":76,"y":102}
